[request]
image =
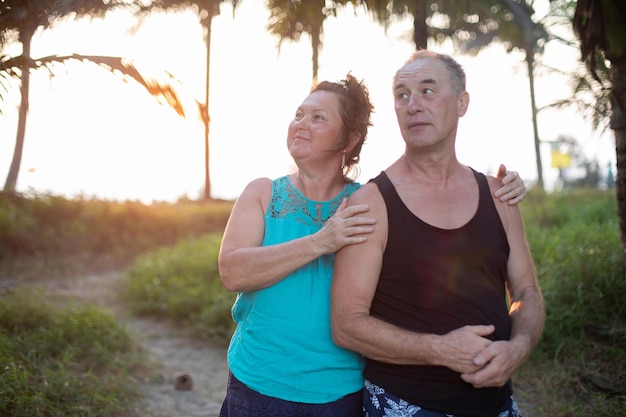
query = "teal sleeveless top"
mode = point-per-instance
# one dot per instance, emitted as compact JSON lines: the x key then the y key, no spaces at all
{"x":282,"y":346}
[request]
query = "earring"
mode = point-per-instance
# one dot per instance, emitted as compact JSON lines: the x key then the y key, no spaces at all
{"x":343,"y":160}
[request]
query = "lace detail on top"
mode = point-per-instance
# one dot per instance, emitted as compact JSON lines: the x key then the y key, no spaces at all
{"x":288,"y":202}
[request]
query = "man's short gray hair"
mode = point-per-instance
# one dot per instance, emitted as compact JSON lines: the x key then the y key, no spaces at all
{"x":457,"y":72}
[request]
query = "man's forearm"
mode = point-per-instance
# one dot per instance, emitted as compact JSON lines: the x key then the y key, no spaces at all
{"x":384,"y":342}
{"x":381,"y":341}
{"x":527,"y":319}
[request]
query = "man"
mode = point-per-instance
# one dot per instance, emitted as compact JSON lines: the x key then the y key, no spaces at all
{"x":424,"y":299}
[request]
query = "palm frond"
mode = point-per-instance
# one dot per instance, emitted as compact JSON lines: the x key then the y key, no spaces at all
{"x":117,"y":65}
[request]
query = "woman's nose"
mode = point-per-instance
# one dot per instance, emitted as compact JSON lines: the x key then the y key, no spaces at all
{"x":301,"y":122}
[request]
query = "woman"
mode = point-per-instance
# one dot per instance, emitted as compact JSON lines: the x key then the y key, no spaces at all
{"x":277,"y":253}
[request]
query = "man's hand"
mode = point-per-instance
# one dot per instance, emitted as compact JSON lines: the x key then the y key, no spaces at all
{"x":460,"y":348}
{"x":496,"y":364}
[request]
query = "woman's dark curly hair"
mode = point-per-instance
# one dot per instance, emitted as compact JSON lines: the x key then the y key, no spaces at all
{"x":356,"y":110}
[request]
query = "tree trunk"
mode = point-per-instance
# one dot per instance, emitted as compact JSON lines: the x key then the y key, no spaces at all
{"x":533,"y":105}
{"x":315,"y":45}
{"x":316,"y":38}
{"x":420,"y":29}
{"x":11,"y":181}
{"x":206,"y":118}
{"x":618,"y":124}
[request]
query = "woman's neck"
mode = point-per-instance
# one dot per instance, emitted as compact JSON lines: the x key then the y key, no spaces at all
{"x":319,"y":187}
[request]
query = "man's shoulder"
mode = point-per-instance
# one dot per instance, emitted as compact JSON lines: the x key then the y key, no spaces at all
{"x":368,"y":194}
{"x":493,"y":182}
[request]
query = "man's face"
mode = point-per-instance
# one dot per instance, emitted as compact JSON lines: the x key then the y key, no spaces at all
{"x":426,"y":105}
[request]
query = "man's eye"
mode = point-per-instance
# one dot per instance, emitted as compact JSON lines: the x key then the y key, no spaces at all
{"x":402,"y":96}
{"x":428,"y":91}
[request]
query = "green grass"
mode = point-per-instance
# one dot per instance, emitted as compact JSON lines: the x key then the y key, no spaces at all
{"x":51,"y":235}
{"x":578,"y":368}
{"x":574,"y":239}
{"x":183,"y":284}
{"x":74,"y":360}
{"x":77,"y":360}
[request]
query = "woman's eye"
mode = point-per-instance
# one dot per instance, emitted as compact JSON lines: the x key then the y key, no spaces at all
{"x":319,"y":116}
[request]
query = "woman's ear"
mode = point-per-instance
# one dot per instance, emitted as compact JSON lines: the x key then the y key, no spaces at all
{"x":353,"y":139}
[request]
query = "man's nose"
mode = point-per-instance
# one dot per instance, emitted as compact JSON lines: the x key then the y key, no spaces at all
{"x":415,"y":104}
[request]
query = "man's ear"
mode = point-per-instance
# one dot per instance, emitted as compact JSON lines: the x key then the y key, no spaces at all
{"x":463,"y":103}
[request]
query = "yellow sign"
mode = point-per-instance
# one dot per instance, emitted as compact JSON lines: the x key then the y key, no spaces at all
{"x":560,"y":159}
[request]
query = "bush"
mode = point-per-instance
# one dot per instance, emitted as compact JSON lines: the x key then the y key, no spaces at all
{"x":575,"y":242}
{"x":51,"y":235}
{"x":579,"y":265}
{"x":182,"y":283}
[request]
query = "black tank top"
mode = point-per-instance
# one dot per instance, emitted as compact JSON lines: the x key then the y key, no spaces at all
{"x":436,"y":280}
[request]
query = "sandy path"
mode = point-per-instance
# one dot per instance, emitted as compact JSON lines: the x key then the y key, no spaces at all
{"x":171,"y":351}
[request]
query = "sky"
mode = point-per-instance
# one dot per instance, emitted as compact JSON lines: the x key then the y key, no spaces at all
{"x":90,"y":134}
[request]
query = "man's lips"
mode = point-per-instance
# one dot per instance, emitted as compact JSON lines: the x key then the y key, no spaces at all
{"x":417,"y":124}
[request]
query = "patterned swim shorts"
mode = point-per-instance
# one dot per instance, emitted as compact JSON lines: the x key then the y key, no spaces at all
{"x":379,"y":403}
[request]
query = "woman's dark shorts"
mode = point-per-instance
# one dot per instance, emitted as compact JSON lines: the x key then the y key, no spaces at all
{"x":241,"y":401}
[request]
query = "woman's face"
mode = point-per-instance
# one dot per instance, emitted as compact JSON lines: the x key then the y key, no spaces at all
{"x":317,"y":128}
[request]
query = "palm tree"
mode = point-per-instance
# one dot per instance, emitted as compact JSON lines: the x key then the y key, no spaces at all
{"x":590,"y":96}
{"x":206,"y":11}
{"x":289,"y":19}
{"x":19,"y":19}
{"x":472,"y":25}
{"x":600,"y":26}
{"x":512,"y":24}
